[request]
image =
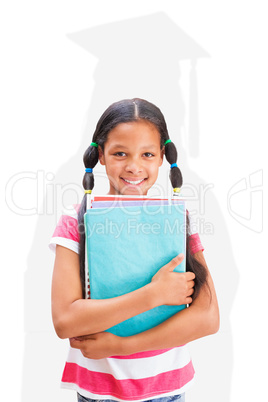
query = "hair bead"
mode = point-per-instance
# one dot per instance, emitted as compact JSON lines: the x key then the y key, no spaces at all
{"x":173,"y":165}
{"x":94,"y":144}
{"x":88,"y":170}
{"x":176,"y":189}
{"x":88,"y":191}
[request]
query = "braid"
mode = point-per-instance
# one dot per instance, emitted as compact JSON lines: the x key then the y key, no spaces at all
{"x":90,"y":159}
{"x":192,"y":264}
{"x":175,"y":173}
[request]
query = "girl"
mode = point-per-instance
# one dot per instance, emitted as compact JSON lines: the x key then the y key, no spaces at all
{"x":130,"y":139}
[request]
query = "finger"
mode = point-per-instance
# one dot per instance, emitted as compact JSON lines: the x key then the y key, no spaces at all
{"x":191,"y":284}
{"x":190,"y":291}
{"x":188,"y":300}
{"x":81,"y":338}
{"x":75,"y":343}
{"x":174,"y":262}
{"x":190,"y":275}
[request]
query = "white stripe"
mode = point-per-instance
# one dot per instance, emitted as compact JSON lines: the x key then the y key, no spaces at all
{"x":88,"y":394}
{"x":62,"y":241}
{"x":193,"y":222}
{"x":123,"y":369}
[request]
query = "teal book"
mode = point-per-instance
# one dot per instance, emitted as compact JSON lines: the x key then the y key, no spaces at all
{"x":126,"y":246}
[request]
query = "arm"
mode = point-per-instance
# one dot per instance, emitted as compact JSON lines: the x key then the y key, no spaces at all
{"x":198,"y":320}
{"x":74,"y":316}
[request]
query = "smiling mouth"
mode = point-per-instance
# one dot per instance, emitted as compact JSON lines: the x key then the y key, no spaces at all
{"x":134,"y":182}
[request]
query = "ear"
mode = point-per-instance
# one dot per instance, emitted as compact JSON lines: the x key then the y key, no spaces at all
{"x":101,"y":156}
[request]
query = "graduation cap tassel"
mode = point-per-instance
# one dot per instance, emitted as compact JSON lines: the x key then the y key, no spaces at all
{"x":193,"y":112}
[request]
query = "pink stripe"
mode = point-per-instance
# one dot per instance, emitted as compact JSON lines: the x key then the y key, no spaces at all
{"x":196,"y":249}
{"x":104,"y":198}
{"x":67,"y":228}
{"x":77,"y":207}
{"x":195,"y":244}
{"x":106,"y":384}
{"x":142,"y":355}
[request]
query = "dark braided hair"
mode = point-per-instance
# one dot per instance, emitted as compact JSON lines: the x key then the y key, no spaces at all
{"x":126,"y":111}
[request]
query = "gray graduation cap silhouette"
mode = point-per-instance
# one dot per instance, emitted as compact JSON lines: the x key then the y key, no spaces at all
{"x":140,"y":57}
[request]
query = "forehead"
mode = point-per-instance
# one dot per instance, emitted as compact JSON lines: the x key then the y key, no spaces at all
{"x":142,"y":133}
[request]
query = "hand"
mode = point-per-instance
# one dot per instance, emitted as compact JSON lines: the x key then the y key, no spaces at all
{"x":173,"y":288}
{"x":97,"y":346}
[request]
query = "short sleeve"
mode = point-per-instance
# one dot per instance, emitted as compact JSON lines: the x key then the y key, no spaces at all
{"x":66,"y":232}
{"x":194,"y":241}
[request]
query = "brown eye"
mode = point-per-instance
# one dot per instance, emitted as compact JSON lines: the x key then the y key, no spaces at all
{"x":148,"y":154}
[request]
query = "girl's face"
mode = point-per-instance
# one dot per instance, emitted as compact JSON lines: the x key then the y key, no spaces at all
{"x":132,"y":157}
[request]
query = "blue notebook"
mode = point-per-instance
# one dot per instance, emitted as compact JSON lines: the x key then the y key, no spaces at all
{"x":126,"y":246}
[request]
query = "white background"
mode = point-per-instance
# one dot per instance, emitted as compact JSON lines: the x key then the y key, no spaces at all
{"x":47,"y":84}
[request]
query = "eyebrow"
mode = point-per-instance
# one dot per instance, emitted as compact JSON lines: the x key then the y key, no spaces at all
{"x":145,"y":147}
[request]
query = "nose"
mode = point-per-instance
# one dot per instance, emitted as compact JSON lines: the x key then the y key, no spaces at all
{"x":134,"y":165}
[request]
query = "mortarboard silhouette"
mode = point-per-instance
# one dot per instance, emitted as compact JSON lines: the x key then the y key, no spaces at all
{"x":141,"y":56}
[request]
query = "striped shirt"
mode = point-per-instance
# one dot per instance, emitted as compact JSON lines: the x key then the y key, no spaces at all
{"x":137,"y":377}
